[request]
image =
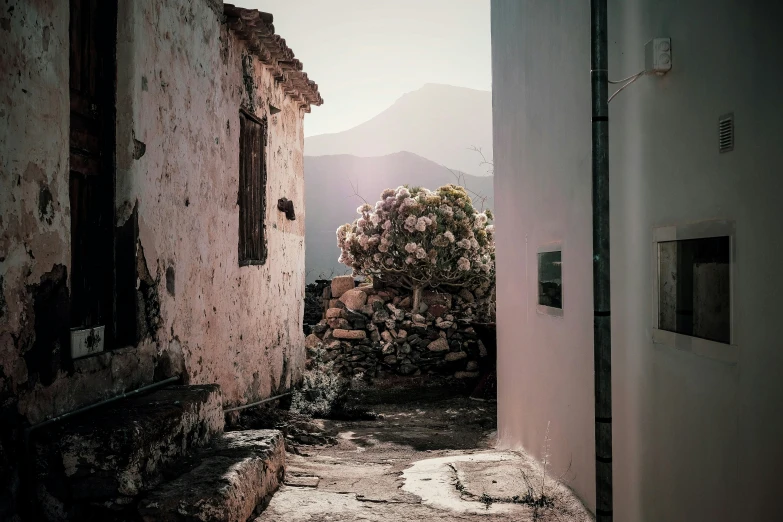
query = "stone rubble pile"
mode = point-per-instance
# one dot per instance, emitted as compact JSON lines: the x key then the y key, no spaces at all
{"x":374,"y":331}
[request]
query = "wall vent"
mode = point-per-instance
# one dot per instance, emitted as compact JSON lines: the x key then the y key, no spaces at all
{"x":726,"y":133}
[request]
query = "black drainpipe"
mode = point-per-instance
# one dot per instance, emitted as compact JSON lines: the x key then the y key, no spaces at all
{"x":602,"y":329}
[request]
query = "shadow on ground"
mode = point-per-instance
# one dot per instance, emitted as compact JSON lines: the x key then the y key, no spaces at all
{"x":400,"y":466}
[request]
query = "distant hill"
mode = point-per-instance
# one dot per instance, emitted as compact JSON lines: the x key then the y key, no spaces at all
{"x":330,"y":182}
{"x":438,"y":122}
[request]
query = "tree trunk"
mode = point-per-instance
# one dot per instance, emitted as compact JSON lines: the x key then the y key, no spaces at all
{"x":416,"y":298}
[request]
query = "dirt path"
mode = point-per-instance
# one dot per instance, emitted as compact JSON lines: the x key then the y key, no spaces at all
{"x":427,"y":460}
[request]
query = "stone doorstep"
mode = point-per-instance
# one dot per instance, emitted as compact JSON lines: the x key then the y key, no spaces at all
{"x":120,"y":450}
{"x":234,"y":480}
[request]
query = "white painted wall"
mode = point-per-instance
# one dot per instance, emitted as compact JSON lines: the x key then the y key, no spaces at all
{"x":694,"y":438}
{"x":542,"y":194}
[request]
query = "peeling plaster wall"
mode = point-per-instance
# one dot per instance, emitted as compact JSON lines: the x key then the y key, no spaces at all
{"x":34,"y":206}
{"x":178,"y":103}
{"x":34,"y":222}
{"x":182,"y":77}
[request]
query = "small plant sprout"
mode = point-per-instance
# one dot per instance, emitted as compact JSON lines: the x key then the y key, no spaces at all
{"x":321,"y":387}
{"x":486,"y":500}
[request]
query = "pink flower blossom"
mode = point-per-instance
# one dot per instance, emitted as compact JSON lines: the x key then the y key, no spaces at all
{"x":407,"y":203}
{"x":402,"y":231}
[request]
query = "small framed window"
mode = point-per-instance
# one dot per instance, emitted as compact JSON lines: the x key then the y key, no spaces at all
{"x":252,"y":189}
{"x":693,"y":288}
{"x":550,"y":279}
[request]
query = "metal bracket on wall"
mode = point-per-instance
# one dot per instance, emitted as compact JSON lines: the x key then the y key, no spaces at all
{"x":287,"y":206}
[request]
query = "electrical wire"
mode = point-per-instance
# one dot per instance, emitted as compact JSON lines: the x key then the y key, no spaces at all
{"x":626,"y":79}
{"x":630,"y":79}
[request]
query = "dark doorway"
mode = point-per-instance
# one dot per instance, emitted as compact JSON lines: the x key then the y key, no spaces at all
{"x":93,"y":30}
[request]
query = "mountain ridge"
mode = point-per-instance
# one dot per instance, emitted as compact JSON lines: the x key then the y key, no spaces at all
{"x":336,"y":184}
{"x":438,"y":122}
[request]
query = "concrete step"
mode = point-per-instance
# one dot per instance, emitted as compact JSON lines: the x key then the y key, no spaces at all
{"x":108,"y":456}
{"x":231,"y":481}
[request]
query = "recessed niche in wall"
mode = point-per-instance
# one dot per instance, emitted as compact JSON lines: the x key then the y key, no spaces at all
{"x":693,"y":286}
{"x":550,"y":279}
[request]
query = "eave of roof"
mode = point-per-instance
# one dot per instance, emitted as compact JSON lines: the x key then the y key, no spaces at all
{"x":256,"y":29}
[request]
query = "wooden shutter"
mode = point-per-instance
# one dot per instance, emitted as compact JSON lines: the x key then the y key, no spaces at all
{"x":252,"y":189}
{"x":92,"y":67}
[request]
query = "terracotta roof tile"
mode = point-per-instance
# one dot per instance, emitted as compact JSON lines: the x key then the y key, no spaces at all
{"x":256,"y":28}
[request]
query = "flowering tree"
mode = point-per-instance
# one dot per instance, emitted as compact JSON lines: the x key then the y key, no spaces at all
{"x":419,"y":238}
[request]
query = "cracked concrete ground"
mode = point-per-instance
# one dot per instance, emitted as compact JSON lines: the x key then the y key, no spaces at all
{"x":429,"y":458}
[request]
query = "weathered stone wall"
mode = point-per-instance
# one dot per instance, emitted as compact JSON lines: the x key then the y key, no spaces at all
{"x":182,"y":78}
{"x":34,"y":224}
{"x":238,"y":326}
{"x":375,"y":333}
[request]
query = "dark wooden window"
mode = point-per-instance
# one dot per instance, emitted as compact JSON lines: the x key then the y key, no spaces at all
{"x":92,"y":65}
{"x":252,"y":189}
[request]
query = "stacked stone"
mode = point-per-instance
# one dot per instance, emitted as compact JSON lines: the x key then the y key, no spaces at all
{"x":374,"y":332}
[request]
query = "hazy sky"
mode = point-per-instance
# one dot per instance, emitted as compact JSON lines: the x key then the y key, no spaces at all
{"x":364,"y":54}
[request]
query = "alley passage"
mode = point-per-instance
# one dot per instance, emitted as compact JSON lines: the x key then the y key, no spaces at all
{"x":428,"y":458}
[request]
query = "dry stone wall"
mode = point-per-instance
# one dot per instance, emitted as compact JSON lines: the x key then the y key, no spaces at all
{"x":373,"y":332}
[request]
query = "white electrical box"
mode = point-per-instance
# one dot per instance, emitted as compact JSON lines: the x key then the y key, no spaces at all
{"x":86,"y":341}
{"x":658,"y":56}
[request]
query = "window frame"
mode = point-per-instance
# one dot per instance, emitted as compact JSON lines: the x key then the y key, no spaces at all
{"x":555,"y":246}
{"x":243,"y":238}
{"x":683,"y":342}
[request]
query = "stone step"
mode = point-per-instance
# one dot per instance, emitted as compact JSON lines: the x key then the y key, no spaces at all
{"x":108,"y":456}
{"x":232,"y":481}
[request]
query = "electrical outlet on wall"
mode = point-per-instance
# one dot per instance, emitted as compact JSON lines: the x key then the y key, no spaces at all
{"x":658,"y":56}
